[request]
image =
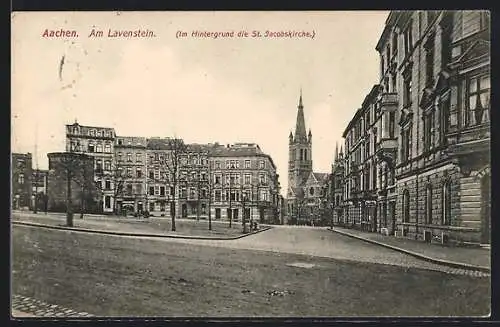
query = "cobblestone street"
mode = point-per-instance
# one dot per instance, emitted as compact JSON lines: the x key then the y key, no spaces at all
{"x":26,"y":307}
{"x":179,"y":277}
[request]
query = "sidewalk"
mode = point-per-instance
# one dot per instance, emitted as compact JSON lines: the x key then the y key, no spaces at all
{"x":16,"y":314}
{"x":451,"y":254}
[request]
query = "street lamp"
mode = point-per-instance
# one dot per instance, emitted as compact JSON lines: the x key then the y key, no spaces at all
{"x":245,"y":199}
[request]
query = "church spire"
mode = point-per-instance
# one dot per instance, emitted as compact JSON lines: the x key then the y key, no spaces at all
{"x":336,"y":151}
{"x":300,"y":126}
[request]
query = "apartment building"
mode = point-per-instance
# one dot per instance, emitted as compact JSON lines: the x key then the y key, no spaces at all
{"x":430,"y":124}
{"x":128,"y":179}
{"x":244,"y":182}
{"x":97,"y":142}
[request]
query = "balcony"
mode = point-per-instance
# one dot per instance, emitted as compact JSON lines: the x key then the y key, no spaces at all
{"x":386,"y":149}
{"x":388,"y":101}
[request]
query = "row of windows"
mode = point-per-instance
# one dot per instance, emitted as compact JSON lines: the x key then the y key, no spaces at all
{"x":234,"y":179}
{"x":94,"y":132}
{"x":445,"y":201}
{"x":235,"y":164}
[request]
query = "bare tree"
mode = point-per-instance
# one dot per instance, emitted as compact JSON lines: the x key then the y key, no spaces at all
{"x":177,"y":154}
{"x":72,"y":165}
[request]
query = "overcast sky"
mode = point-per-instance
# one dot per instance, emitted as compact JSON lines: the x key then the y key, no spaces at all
{"x":201,"y":89}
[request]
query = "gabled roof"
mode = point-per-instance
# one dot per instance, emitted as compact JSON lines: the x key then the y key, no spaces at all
{"x":320,"y":176}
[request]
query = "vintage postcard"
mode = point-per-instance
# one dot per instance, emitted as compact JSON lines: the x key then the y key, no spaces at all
{"x":250,"y":164}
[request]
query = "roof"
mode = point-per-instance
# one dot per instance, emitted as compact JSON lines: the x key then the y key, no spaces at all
{"x":321,"y":176}
{"x":354,"y":119}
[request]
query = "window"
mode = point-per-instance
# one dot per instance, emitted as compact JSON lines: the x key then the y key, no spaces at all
{"x":99,"y":148}
{"x":478,"y":100}
{"x":247,"y":164}
{"x":203,"y":209}
{"x":138,"y":189}
{"x":446,"y":213}
{"x":138,"y":172}
{"x":107,"y":165}
{"x":388,"y":54}
{"x":129,"y":172}
{"x":263,"y":178}
{"x":408,"y":38}
{"x":248,"y":178}
{"x":203,"y":176}
{"x":129,"y":189}
{"x":429,"y":129}
{"x":107,"y":148}
{"x":129,"y":157}
{"x":444,"y":114}
{"x":98,"y":165}
{"x":428,"y":204}
{"x":406,"y":206}
{"x":192,"y":193}
{"x":217,"y":213}
{"x":91,"y":147}
{"x":162,"y":190}
{"x":151,"y":174}
{"x":138,"y":157}
{"x":262,"y":164}
{"x":429,"y":62}
{"x":194,"y":176}
{"x":217,"y":196}
{"x":263,"y":195}
{"x":20,"y":179}
{"x":107,"y":185}
{"x":392,"y":123}
{"x":407,"y":91}
{"x":120,"y":156}
{"x":151,"y":190}
{"x":217,"y":165}
{"x":406,"y":144}
{"x":394,"y":43}
{"x":311,"y":191}
{"x":107,"y":202}
{"x":157,"y":190}
{"x":217,"y":179}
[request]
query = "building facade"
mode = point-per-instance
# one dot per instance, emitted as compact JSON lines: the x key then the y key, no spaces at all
{"x":244,"y":183}
{"x":21,"y":180}
{"x":39,"y":188}
{"x":128,"y":178}
{"x":336,"y":188}
{"x":97,"y":142}
{"x":164,"y":175}
{"x":429,"y":120}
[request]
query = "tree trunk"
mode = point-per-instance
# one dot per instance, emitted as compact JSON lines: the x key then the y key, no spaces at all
{"x":69,"y":202}
{"x":174,"y":211}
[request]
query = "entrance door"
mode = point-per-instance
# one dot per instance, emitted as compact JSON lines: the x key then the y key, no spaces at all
{"x":184,"y":210}
{"x":485,"y":209}
{"x":235,"y":214}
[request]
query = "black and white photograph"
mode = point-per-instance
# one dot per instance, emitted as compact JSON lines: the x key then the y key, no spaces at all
{"x":261,"y":164}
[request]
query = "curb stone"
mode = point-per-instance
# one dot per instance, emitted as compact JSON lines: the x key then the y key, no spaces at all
{"x":417,"y":255}
{"x":98,"y":231}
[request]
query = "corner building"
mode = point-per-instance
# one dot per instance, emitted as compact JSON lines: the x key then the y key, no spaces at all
{"x":438,"y":64}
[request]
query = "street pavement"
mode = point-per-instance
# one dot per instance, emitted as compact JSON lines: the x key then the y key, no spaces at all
{"x":311,"y":241}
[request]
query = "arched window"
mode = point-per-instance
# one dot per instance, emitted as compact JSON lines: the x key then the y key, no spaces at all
{"x":301,"y":154}
{"x":99,"y":148}
{"x":428,"y":204}
{"x":406,"y":206}
{"x":446,"y":213}
{"x":107,"y":148}
{"x":305,"y":154}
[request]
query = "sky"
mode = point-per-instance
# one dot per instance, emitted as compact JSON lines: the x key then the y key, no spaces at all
{"x":204,"y":90}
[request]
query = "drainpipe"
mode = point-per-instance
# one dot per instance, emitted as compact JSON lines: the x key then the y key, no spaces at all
{"x":418,"y":119}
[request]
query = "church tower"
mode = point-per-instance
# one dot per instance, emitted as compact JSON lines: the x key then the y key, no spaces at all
{"x":299,"y":150}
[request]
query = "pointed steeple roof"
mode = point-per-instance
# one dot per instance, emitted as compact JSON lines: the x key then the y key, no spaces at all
{"x":336,"y":151}
{"x":300,"y":126}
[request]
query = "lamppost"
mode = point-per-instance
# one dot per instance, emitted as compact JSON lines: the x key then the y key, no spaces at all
{"x":245,"y":200}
